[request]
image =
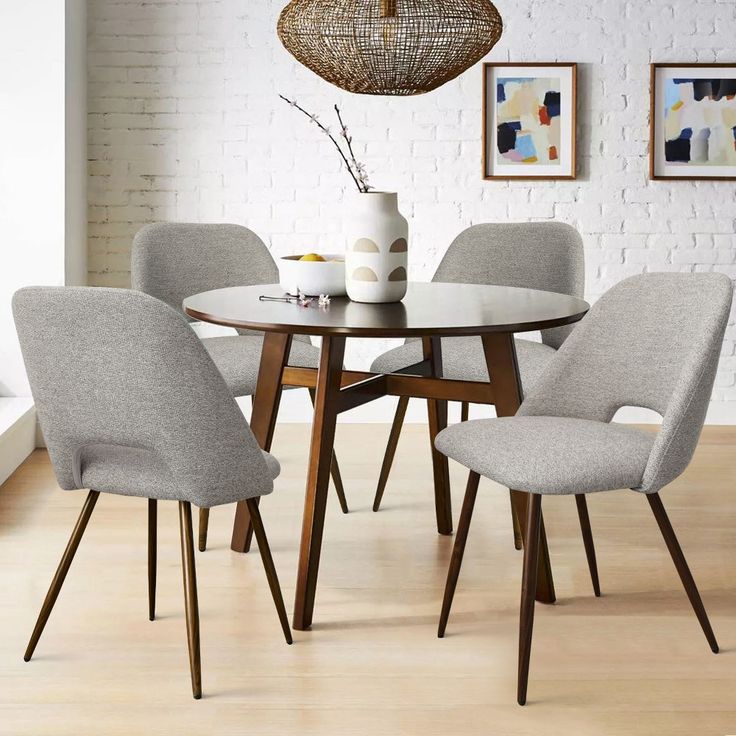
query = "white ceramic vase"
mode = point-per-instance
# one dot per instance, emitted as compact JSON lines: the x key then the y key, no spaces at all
{"x":376,"y":253}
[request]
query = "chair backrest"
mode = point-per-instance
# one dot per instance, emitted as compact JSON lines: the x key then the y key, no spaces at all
{"x":114,"y":367}
{"x":535,"y":255}
{"x":172,"y":261}
{"x":651,"y":341}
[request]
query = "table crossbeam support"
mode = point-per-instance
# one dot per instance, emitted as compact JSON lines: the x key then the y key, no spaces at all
{"x":361,"y":393}
{"x":396,"y":384}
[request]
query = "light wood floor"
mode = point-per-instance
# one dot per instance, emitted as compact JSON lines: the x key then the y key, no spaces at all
{"x":632,"y":662}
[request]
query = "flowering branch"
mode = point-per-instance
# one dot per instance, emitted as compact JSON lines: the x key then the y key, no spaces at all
{"x":356,"y":170}
{"x":360,"y":171}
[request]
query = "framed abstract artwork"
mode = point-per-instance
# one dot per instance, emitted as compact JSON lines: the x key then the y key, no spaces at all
{"x":529,"y":118}
{"x":693,"y":121}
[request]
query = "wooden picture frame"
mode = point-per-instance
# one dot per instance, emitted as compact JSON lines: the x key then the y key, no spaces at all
{"x":499,"y":164}
{"x":661,"y":166}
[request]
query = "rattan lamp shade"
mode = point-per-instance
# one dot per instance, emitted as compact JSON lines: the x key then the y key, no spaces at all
{"x":389,"y":47}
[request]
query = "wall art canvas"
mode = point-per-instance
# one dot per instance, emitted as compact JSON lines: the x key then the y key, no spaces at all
{"x":529,"y":121}
{"x":693,"y":121}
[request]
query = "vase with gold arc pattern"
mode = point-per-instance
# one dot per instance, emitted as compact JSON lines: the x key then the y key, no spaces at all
{"x":376,"y":256}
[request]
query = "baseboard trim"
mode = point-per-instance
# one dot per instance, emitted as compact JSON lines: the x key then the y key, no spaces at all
{"x":17,"y":433}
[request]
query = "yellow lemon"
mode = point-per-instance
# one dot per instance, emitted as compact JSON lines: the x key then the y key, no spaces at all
{"x":311,"y":257}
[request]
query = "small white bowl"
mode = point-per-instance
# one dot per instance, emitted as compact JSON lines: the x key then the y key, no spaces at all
{"x":313,"y":277}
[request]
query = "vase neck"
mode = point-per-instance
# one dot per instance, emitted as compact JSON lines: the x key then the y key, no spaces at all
{"x":386,"y":202}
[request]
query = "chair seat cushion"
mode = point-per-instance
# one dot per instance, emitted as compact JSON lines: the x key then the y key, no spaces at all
{"x":550,"y":455}
{"x":238,"y":358}
{"x":463,"y":359}
{"x":135,"y":471}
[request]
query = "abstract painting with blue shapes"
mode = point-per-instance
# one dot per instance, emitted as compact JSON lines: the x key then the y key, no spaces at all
{"x":528,"y":120}
{"x":700,"y":122}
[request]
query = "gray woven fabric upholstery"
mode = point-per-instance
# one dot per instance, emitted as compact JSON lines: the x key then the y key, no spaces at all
{"x":273,"y":465}
{"x":652,"y":341}
{"x":130,"y":402}
{"x":238,"y":359}
{"x":534,"y":255}
{"x":132,"y":471}
{"x":553,"y":455}
{"x":172,"y":260}
{"x":463,"y":359}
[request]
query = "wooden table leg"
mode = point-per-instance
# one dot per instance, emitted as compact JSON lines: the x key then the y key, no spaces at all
{"x":274,"y":355}
{"x":503,"y":369}
{"x":318,"y":477}
{"x":437,"y":412}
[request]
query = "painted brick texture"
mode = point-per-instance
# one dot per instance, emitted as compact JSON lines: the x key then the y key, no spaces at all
{"x":185,"y":124}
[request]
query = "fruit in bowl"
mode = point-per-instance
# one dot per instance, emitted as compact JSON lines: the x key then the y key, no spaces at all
{"x":313,"y":274}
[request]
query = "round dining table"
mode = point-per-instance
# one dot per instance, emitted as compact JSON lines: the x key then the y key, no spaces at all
{"x":429,"y":311}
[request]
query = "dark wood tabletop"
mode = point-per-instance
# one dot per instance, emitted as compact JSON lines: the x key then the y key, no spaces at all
{"x":427,"y":309}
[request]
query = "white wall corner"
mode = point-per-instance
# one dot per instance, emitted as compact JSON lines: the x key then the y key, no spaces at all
{"x":17,"y":433}
{"x":43,"y":182}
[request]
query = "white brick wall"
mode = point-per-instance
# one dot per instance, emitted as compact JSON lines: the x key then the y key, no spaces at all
{"x":185,"y":124}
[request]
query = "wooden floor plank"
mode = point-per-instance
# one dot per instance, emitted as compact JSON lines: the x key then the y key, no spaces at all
{"x":633,"y":661}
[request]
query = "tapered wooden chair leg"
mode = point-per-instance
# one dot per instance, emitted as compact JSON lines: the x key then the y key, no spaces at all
{"x":191,"y":603}
{"x":466,"y":514}
{"x":528,"y":592}
{"x":588,"y":541}
{"x":204,"y":522}
{"x":464,"y":411}
{"x":388,"y":457}
{"x":682,"y":567}
{"x":62,"y":570}
{"x":337,"y":481}
{"x":152,"y":544}
{"x":269,"y":567}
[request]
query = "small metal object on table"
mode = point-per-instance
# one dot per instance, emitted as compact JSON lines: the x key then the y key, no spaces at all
{"x":429,"y":311}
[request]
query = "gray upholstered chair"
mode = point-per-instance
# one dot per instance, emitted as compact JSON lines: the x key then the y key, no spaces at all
{"x":131,"y":403}
{"x":652,"y":341}
{"x":535,"y":255}
{"x":172,"y":261}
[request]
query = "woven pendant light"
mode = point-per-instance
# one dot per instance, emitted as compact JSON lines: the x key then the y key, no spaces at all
{"x":389,"y":47}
